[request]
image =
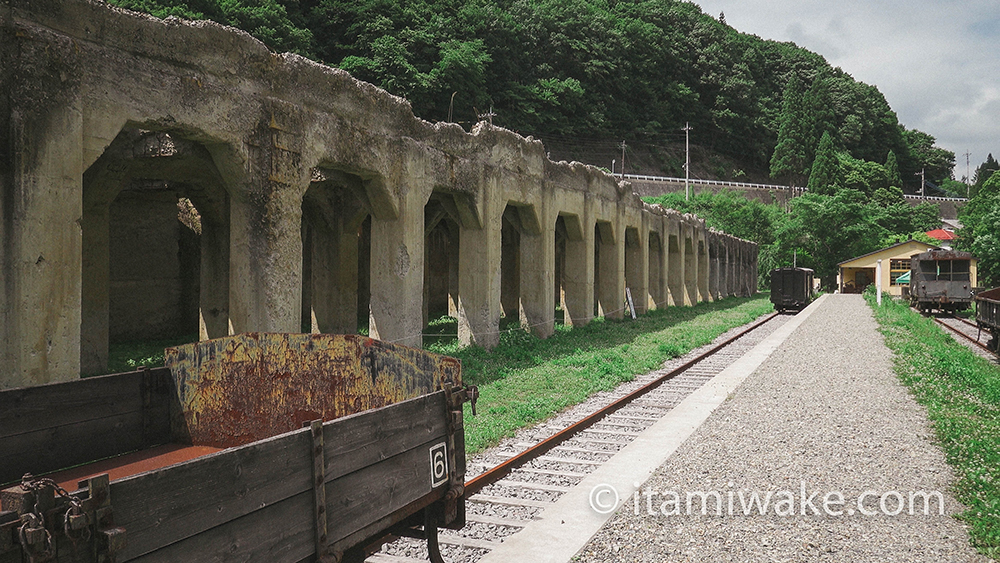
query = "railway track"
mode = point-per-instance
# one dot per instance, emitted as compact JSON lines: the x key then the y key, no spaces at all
{"x":513,"y":482}
{"x":967,"y":331}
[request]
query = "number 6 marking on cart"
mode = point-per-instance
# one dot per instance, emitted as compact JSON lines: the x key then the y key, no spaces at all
{"x":439,"y":465}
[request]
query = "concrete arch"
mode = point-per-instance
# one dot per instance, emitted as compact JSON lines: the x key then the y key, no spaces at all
{"x":133,"y":283}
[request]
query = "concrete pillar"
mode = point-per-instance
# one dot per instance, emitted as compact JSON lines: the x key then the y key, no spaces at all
{"x":579,"y":271}
{"x":537,"y":273}
{"x":41,"y":241}
{"x":703,"y":292}
{"x":724,"y":268}
{"x":213,"y":293}
{"x":714,"y":271}
{"x":454,"y":235}
{"x":690,"y":268}
{"x":675,"y":271}
{"x":657,"y":293}
{"x":397,"y":273}
{"x":734,"y":268}
{"x":479,"y":282}
{"x":610,"y":265}
{"x":265,"y":276}
{"x":95,"y":294}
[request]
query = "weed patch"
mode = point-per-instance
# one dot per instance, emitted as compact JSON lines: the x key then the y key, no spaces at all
{"x":962,"y":394}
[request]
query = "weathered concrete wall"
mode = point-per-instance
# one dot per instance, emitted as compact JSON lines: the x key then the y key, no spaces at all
{"x":316,"y":191}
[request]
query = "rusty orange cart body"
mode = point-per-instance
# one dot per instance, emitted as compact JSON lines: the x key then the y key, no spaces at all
{"x":259,"y":446}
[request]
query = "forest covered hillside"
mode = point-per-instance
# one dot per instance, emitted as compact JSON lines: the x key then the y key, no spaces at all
{"x":572,"y":70}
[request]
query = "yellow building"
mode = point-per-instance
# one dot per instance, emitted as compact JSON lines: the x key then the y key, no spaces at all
{"x":859,"y":272}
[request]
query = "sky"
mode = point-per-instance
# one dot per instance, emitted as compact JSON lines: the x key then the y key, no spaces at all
{"x":936,"y":61}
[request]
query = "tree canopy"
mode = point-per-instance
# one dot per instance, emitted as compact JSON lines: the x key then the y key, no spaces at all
{"x":815,"y":230}
{"x":980,"y":232}
{"x":639,"y":69}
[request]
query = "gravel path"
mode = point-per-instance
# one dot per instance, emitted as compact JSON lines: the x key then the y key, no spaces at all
{"x":825,"y":410}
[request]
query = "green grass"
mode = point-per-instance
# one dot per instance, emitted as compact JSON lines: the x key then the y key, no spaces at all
{"x":128,"y":356}
{"x":525,"y":380}
{"x":962,"y":394}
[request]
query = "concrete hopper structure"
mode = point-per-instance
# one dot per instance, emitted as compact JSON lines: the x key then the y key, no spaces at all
{"x":165,"y":177}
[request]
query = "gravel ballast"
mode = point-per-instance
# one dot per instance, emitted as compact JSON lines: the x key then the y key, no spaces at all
{"x":825,"y":415}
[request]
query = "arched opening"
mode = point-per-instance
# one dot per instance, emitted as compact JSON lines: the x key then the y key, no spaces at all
{"x":441,"y":272}
{"x":510,"y":267}
{"x":635,"y":280}
{"x":609,"y":295}
{"x":559,"y":290}
{"x":703,"y":282}
{"x":336,"y":242}
{"x":690,"y":271}
{"x":675,"y":272}
{"x":155,"y":246}
{"x":657,"y":297}
{"x":715,"y":274}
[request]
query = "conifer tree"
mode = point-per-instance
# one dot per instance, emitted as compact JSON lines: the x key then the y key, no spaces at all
{"x":893,"y":168}
{"x":984,"y":171}
{"x":825,"y":172}
{"x":817,"y":113}
{"x":789,"y":159}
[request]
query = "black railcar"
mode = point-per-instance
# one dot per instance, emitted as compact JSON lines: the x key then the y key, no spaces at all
{"x":791,"y":288}
{"x":941,"y":279}
{"x":988,"y":314}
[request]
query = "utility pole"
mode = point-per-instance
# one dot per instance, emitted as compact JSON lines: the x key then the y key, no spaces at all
{"x":623,"y":158}
{"x":921,"y":174}
{"x":687,"y":161}
{"x":968,"y":173}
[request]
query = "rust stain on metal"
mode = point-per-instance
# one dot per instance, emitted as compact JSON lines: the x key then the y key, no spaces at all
{"x":252,"y":386}
{"x":130,"y":464}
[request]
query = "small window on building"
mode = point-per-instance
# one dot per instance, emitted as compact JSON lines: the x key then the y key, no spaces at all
{"x":897,"y":268}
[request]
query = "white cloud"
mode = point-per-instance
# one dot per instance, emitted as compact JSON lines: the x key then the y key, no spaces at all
{"x":935,"y":61}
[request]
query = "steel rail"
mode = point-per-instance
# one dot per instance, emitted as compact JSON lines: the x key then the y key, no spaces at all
{"x":502,"y":470}
{"x":963,"y":335}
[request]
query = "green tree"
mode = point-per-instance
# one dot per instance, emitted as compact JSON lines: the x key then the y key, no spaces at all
{"x":892,"y":167}
{"x":884,"y":197}
{"x":266,"y":20}
{"x":829,"y":229}
{"x":789,"y":160}
{"x":825,"y":174}
{"x":984,"y":172}
{"x":936,"y":162}
{"x":862,"y":175}
{"x":980,"y":232}
{"x":817,"y":111}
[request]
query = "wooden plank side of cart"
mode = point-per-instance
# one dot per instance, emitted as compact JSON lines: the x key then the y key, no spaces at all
{"x":49,"y":427}
{"x":257,"y":500}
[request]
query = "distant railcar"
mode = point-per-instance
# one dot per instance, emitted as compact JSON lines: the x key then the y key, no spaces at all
{"x":791,"y":288}
{"x":988,"y":314}
{"x":941,"y":280}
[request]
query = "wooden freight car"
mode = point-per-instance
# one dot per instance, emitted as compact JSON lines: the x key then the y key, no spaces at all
{"x":941,"y":280}
{"x":256,"y":447}
{"x":791,"y":288}
{"x":988,"y":314}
